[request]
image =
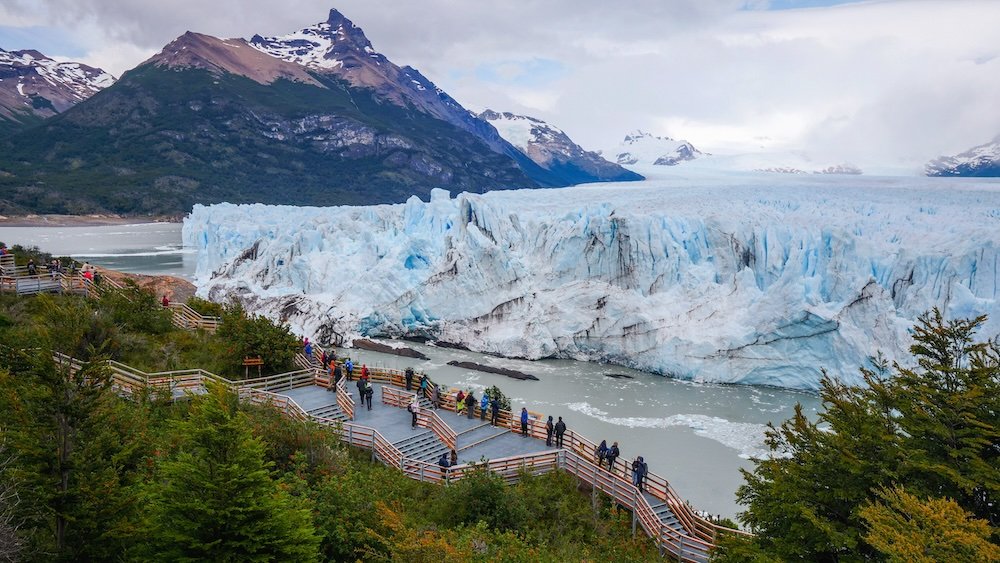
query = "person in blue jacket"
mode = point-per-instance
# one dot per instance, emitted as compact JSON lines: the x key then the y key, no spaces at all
{"x":484,"y":404}
{"x":349,"y":366}
{"x":524,"y":421}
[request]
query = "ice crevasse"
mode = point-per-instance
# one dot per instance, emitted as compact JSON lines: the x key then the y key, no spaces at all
{"x":718,"y":282}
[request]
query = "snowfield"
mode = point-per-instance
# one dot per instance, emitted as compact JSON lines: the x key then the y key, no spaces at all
{"x":745,"y":278}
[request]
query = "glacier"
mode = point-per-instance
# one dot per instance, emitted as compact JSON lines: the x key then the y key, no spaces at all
{"x":732,"y":278}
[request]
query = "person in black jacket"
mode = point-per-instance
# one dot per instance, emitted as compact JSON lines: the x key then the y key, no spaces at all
{"x":560,"y":430}
{"x":641,"y":471}
{"x":494,"y":410}
{"x":408,"y":375}
{"x":549,"y":429}
{"x":613,"y":454}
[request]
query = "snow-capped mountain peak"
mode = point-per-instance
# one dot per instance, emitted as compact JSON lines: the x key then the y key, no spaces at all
{"x":551,"y":148}
{"x":641,"y":147}
{"x":325,"y":45}
{"x":33,"y":84}
{"x":982,"y":160}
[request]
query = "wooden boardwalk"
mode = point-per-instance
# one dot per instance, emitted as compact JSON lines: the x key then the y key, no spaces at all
{"x":386,"y":429}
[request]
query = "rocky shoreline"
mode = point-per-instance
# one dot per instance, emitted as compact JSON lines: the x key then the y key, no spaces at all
{"x":83,"y":220}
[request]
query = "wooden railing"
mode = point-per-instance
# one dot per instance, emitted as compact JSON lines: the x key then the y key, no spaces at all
{"x":344,"y":399}
{"x":187,"y":318}
{"x":429,"y":419}
{"x":397,"y":397}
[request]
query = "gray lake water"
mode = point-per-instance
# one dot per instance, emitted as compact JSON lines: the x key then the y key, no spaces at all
{"x":148,"y":248}
{"x":698,"y":436}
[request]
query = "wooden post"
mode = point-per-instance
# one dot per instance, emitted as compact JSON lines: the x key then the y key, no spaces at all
{"x":633,"y":520}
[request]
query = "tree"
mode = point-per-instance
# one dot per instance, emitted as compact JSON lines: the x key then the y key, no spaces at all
{"x":908,"y":530}
{"x":258,"y":336}
{"x":933,"y":427}
{"x":215,"y":499}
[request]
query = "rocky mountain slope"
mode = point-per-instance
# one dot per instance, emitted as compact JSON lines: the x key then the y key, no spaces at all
{"x":33,"y":87}
{"x":640,"y":147}
{"x":981,"y":161}
{"x":338,"y":48}
{"x":549,"y":147}
{"x":211,"y":120}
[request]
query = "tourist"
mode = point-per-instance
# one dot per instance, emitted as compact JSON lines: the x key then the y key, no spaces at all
{"x":470,"y":405}
{"x":549,"y":428}
{"x":423,"y":384}
{"x":613,"y":454}
{"x":3,"y":250}
{"x":524,"y":421}
{"x":640,"y":473}
{"x":443,"y":462}
{"x":495,"y":410}
{"x":601,"y":452}
{"x":165,"y":301}
{"x":364,"y":371}
{"x":454,"y":458}
{"x":436,"y":397}
{"x":309,"y":351}
{"x":484,"y":404}
{"x":337,"y":374}
{"x":408,"y":376}
{"x":560,"y":430}
{"x":349,"y":366}
{"x":97,"y":278}
{"x":369,"y":391}
{"x":414,"y":409}
{"x":53,"y":270}
{"x":32,"y":269}
{"x":323,"y":360}
{"x":361,"y":386}
{"x":459,"y":402}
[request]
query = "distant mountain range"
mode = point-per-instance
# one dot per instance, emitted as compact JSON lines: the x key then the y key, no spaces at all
{"x":316,"y":117}
{"x":34,"y":87}
{"x":549,"y":147}
{"x":640,"y":147}
{"x":980,"y":161}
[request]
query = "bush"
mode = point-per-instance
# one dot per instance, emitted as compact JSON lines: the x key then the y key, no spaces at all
{"x":205,"y":307}
{"x":257,"y":336}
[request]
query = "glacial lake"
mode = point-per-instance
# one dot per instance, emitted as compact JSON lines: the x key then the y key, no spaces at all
{"x":696,"y":435}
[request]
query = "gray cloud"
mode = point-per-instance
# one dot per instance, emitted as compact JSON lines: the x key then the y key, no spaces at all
{"x":873,"y":82}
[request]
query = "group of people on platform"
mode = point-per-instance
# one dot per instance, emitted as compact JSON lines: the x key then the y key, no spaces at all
{"x":610,"y":455}
{"x":466,"y":403}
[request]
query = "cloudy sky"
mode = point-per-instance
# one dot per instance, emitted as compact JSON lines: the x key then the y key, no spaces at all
{"x":871,"y":82}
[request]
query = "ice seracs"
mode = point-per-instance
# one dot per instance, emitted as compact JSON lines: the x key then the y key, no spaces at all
{"x":751,"y":279}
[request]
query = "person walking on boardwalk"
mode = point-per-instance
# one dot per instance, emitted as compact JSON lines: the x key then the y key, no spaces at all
{"x":470,"y":405}
{"x":484,"y":404}
{"x":349,"y":367}
{"x":361,"y":387}
{"x":524,"y":421}
{"x":32,"y":269}
{"x":323,"y":360}
{"x":459,"y":402}
{"x":408,"y":376}
{"x":423,"y":384}
{"x":613,"y":454}
{"x":414,"y":409}
{"x":364,"y":371}
{"x":560,"y":430}
{"x":639,"y":470}
{"x":494,"y":410}
{"x":337,"y":374}
{"x":369,"y":391}
{"x":549,"y":428}
{"x":601,"y":453}
{"x":436,"y":396}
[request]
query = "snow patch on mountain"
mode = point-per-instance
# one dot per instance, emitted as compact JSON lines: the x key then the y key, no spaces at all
{"x":741,"y":279}
{"x":31,"y":83}
{"x":640,"y":147}
{"x":983,"y":160}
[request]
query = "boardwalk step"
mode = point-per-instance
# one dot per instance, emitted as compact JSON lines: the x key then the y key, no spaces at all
{"x":473,"y":429}
{"x":481,"y":440}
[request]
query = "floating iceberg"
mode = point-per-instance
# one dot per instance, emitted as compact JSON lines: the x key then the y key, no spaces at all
{"x":723,"y":279}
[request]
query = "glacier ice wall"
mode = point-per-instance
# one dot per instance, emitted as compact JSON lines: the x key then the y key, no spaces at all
{"x":710,"y":280}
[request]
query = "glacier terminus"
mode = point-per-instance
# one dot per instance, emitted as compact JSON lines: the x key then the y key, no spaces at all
{"x":733,"y":278}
